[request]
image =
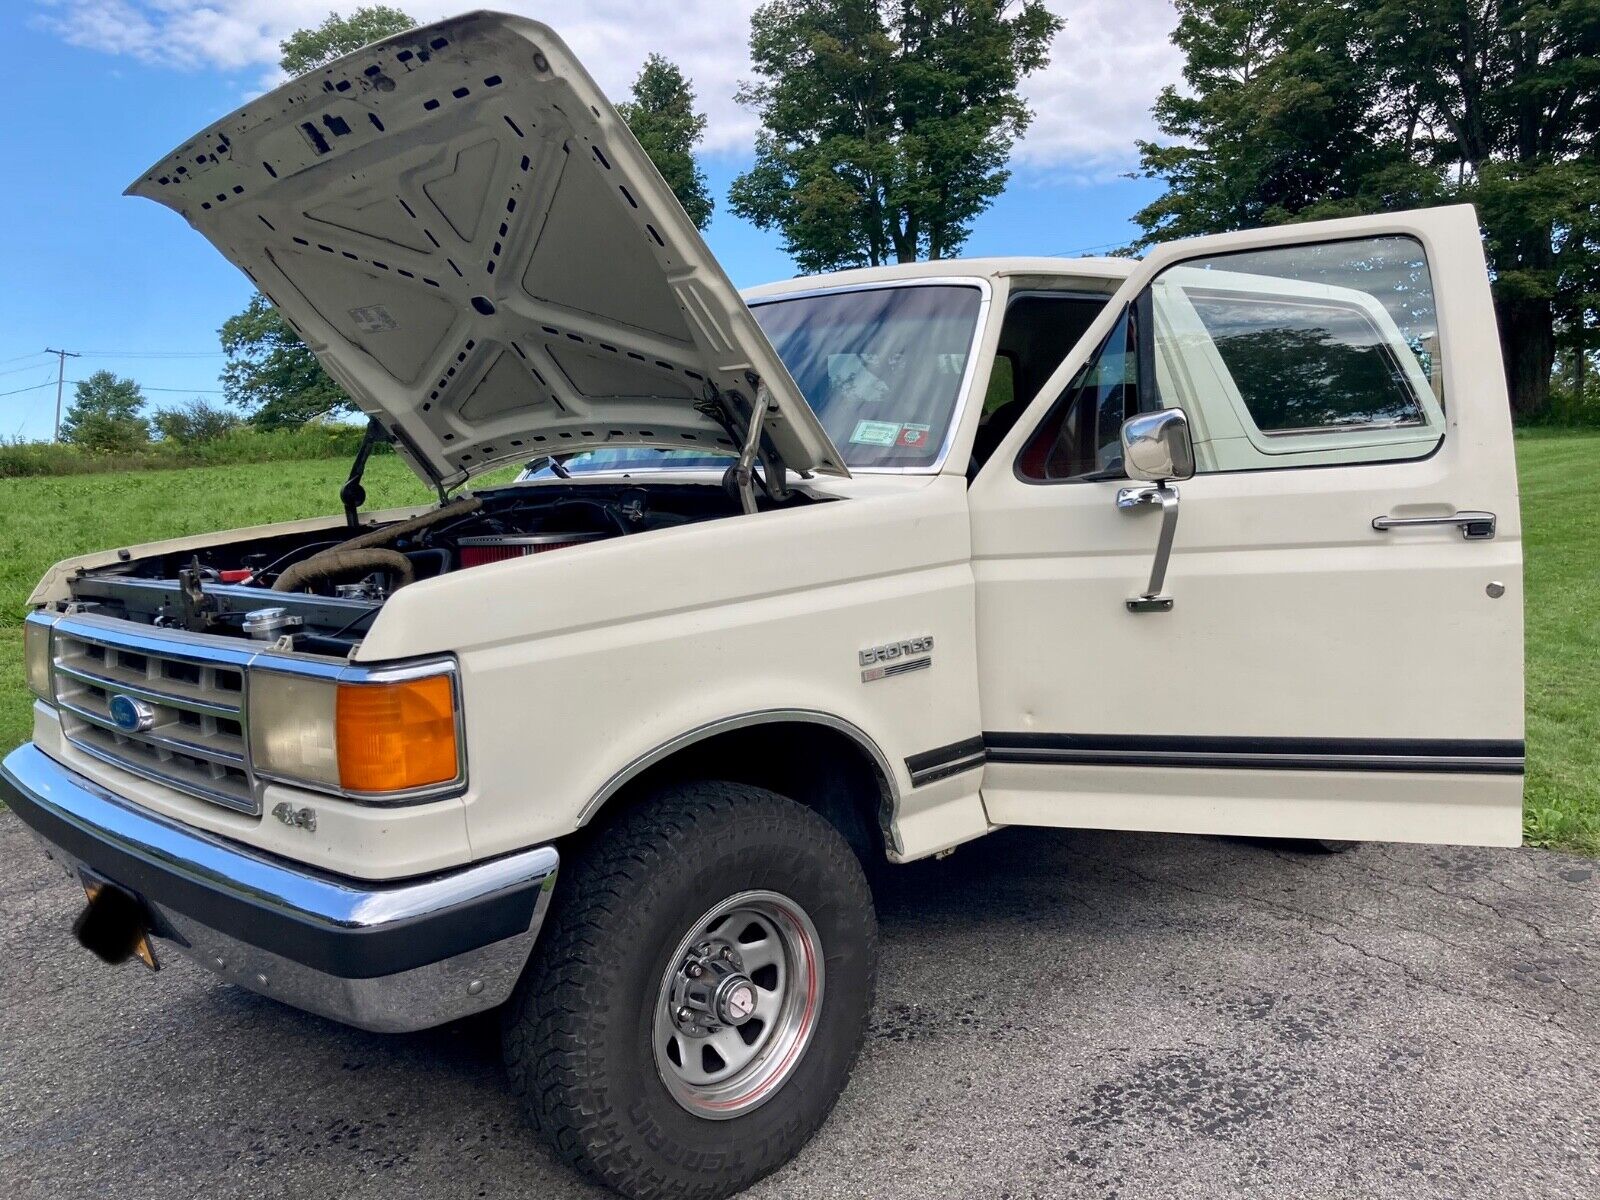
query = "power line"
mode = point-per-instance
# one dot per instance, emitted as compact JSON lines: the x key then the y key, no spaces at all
{"x":20,"y":357}
{"x":1086,"y":249}
{"x":33,"y":388}
{"x":154,"y":354}
{"x":74,"y":382}
{"x":187,"y":391}
{"x":25,"y":367}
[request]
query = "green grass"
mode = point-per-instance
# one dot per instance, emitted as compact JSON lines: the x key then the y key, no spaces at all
{"x":1561,"y":566}
{"x":44,"y":520}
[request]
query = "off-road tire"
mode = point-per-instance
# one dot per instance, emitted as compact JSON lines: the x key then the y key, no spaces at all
{"x":576,"y":1034}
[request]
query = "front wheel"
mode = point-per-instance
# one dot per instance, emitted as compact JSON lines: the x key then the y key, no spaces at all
{"x":699,"y":994}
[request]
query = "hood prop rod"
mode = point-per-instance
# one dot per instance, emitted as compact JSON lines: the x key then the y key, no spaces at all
{"x":352,"y":495}
{"x":741,"y":476}
{"x":743,"y":473}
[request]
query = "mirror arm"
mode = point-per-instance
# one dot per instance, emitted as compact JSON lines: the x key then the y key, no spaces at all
{"x":1136,"y":499}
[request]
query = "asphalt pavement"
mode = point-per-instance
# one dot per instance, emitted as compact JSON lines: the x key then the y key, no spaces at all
{"x":1060,"y":1014}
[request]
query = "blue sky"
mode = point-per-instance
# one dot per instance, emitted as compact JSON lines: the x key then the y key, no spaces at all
{"x":92,"y":98}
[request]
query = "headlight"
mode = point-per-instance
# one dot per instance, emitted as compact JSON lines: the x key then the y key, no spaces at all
{"x":393,"y":733}
{"x":36,"y":650}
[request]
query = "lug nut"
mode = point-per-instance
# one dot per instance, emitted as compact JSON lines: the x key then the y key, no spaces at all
{"x":727,"y":954}
{"x":695,"y":971}
{"x":685,"y":1015}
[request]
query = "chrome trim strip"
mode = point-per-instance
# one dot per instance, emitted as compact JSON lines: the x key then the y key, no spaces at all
{"x":288,"y":889}
{"x":226,"y":758}
{"x":167,"y":643}
{"x":167,"y":699}
{"x":769,"y":716}
{"x":250,"y":807}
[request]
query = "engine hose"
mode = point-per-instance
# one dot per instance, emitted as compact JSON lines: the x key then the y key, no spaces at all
{"x":382,"y":537}
{"x":325,"y":564}
{"x":342,"y":563}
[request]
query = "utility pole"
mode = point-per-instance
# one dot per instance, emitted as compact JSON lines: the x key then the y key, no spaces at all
{"x":61,"y":375}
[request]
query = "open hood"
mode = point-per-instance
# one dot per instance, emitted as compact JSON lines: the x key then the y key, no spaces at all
{"x":461,"y":226}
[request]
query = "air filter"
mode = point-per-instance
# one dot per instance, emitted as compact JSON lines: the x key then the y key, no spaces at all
{"x":476,"y":551}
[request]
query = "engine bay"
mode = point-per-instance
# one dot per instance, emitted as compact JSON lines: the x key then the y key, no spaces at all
{"x":316,"y":592}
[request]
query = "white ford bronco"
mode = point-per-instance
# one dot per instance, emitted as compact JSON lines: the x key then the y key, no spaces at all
{"x":838,"y":574}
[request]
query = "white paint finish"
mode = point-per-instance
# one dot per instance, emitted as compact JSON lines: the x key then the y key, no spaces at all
{"x":1340,"y":805}
{"x":574,"y":665}
{"x":1292,"y":616}
{"x":469,"y":237}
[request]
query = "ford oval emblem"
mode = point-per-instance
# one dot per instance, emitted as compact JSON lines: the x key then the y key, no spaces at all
{"x":130,"y":715}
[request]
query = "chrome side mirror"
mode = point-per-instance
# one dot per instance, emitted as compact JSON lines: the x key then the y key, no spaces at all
{"x":1156,"y":447}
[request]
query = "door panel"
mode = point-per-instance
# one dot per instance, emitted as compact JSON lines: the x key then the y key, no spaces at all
{"x":1315,"y":677}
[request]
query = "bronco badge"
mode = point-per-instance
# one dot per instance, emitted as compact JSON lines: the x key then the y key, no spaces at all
{"x":896,"y":658}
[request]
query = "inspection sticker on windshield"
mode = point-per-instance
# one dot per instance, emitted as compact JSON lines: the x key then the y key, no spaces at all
{"x":915,"y":436}
{"x":875,"y":433}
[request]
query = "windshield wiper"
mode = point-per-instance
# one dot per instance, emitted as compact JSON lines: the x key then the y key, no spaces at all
{"x":549,"y":460}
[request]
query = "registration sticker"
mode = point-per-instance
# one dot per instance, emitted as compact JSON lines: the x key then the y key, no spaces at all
{"x":875,"y":433}
{"x":915,"y":436}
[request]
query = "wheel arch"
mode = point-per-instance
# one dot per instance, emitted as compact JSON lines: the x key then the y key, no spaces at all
{"x":821,"y":760}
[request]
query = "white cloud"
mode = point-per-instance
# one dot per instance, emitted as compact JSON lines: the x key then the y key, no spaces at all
{"x":1090,"y":104}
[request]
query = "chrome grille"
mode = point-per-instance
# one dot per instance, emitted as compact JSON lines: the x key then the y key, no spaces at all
{"x":194,"y":738}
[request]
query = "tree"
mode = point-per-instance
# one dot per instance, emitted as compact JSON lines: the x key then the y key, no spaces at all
{"x":1298,"y":109}
{"x":104,"y":415}
{"x":195,"y":421}
{"x":886,"y":124}
{"x":661,"y":115}
{"x":307,"y":49}
{"x":271,"y":374}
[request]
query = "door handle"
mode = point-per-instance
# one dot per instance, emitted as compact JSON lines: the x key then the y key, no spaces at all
{"x":1137,"y":499}
{"x":1475,"y":526}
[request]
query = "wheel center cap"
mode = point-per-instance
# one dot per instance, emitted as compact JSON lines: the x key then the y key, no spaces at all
{"x":736,"y":1000}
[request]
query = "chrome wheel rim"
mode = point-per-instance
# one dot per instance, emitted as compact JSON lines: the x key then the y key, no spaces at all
{"x":738,"y":1004}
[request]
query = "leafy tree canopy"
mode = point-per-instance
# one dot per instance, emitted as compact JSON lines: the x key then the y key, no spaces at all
{"x":886,"y":124}
{"x":271,"y":374}
{"x":307,"y":49}
{"x":661,"y":115}
{"x":196,"y":421}
{"x":1299,"y":109}
{"x":104,"y":414}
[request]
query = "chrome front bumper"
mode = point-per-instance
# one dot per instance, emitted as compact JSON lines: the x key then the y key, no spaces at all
{"x":390,"y":956}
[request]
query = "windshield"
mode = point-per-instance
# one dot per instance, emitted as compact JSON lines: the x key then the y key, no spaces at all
{"x":881,"y":367}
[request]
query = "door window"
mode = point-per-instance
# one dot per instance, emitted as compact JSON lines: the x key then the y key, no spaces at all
{"x":1289,"y":356}
{"x":1081,"y":437}
{"x":1302,"y":355}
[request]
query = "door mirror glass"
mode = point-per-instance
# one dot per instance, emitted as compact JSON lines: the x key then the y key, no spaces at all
{"x":1156,"y":446}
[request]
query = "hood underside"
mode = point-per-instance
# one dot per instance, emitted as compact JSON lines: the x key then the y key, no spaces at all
{"x":462,"y":228}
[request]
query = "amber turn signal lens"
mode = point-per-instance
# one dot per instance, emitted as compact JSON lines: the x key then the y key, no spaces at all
{"x":393,"y":737}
